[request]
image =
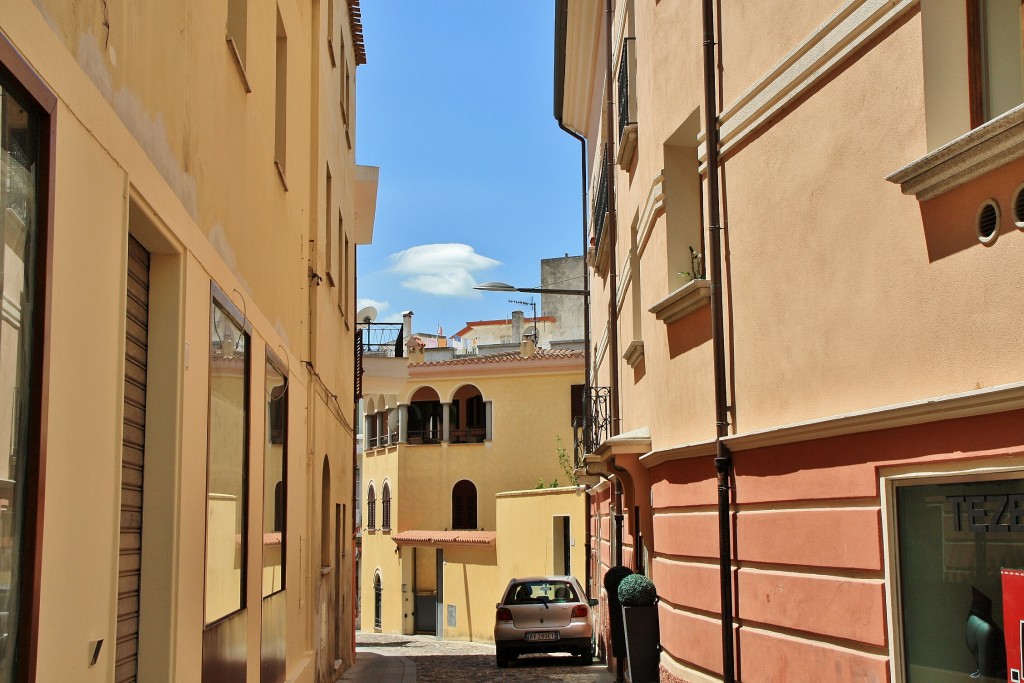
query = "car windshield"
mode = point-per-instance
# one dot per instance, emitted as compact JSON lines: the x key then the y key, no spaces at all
{"x":541,"y":591}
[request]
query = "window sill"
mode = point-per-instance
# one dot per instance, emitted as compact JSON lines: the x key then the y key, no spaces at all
{"x":970,"y":156}
{"x":627,"y":145}
{"x":693,"y":295}
{"x":238,"y":63}
{"x":598,"y":254}
{"x":280,"y":174}
{"x":634,"y":353}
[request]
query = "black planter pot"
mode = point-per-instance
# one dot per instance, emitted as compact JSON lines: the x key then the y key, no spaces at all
{"x":615,"y":624}
{"x":642,"y":637}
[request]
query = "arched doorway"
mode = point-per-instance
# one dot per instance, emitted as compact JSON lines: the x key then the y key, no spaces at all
{"x":378,"y":592}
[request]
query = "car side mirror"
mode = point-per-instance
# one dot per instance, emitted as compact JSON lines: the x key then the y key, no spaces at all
{"x":592,"y":602}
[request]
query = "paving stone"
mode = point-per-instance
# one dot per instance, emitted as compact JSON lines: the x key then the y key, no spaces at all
{"x":436,"y":661}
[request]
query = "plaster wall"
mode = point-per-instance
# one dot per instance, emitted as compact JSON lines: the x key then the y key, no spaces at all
{"x":185,"y":165}
{"x":527,"y":542}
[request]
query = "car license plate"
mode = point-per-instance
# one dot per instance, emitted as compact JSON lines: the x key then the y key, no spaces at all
{"x":542,"y":635}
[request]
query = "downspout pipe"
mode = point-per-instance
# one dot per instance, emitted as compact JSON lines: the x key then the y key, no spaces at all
{"x":723,"y":458}
{"x":561,"y":13}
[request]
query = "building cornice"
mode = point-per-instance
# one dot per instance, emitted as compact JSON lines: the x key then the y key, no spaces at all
{"x":997,"y":399}
{"x":841,"y":36}
{"x":970,"y":156}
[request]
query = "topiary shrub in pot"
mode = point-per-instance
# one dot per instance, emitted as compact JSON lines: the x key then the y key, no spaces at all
{"x":612,"y":578}
{"x":639,"y":598}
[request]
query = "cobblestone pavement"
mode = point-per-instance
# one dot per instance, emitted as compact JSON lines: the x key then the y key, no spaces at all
{"x":437,"y":661}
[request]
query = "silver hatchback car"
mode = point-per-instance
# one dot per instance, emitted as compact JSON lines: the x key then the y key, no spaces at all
{"x":543,"y":614}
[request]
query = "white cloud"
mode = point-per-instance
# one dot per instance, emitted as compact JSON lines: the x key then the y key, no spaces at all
{"x":381,"y":306}
{"x":441,"y":269}
{"x":382,"y":310}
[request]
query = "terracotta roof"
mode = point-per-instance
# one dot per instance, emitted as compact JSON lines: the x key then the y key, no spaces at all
{"x":511,"y":356}
{"x":507,"y":321}
{"x":430,"y":537}
{"x":355,"y":22}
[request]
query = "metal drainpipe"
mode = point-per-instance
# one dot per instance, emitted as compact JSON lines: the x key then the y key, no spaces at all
{"x":586,"y":315}
{"x":723,"y":458}
{"x":613,"y":317}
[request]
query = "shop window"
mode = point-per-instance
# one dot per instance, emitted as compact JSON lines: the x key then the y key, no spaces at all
{"x":274,"y":475}
{"x":961,"y":580}
{"x":464,"y":505}
{"x":23,"y":128}
{"x":227,"y":470}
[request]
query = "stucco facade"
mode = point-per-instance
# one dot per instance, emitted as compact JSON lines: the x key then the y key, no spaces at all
{"x":865,"y":290}
{"x":441,"y":530}
{"x":197,"y":211}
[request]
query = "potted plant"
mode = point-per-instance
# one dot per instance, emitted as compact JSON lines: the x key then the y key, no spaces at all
{"x":612,"y":578}
{"x":638,"y":598}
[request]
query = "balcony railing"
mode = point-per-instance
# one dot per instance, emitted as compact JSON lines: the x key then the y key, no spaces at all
{"x":469,"y":435}
{"x":624,"y":99}
{"x":600,"y":200}
{"x":593,"y":427}
{"x":381,"y":340}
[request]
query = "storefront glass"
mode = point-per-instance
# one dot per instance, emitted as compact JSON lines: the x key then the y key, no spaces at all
{"x":961,"y":555}
{"x":19,"y":182}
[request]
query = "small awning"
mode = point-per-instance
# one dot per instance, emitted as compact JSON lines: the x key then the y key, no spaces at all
{"x":441,"y":539}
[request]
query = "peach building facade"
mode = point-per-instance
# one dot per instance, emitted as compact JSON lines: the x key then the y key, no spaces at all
{"x":181,"y":206}
{"x":842,"y":502}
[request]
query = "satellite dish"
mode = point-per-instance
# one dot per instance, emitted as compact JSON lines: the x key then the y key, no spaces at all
{"x":366,"y":315}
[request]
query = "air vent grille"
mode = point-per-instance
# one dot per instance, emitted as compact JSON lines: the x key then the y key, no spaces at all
{"x":988,"y":221}
{"x":1018,"y":208}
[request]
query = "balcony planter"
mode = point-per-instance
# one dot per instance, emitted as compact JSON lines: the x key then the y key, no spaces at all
{"x":612,"y":578}
{"x":638,"y":598}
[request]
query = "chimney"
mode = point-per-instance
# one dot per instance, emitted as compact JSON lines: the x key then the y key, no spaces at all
{"x":527,"y":348}
{"x":414,"y":351}
{"x":517,"y":326}
{"x":406,"y":328}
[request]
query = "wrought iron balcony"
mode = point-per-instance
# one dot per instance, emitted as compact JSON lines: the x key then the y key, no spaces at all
{"x":381,"y":340}
{"x":625,"y":115}
{"x":593,"y":427}
{"x":600,"y":200}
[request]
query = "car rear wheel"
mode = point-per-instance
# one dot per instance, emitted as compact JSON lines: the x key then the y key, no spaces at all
{"x":587,"y":656}
{"x":502,"y":658}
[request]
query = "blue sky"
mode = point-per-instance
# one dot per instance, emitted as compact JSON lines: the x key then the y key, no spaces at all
{"x":477,"y":181}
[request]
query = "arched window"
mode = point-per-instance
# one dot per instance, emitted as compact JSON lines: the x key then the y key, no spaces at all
{"x":464,"y":505}
{"x":385,"y":508}
{"x":371,"y":508}
{"x":468,"y":416}
{"x":377,"y":599}
{"x":425,"y":417}
{"x":325,"y":516}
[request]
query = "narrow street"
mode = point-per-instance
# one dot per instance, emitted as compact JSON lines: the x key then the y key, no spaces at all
{"x":385,"y":658}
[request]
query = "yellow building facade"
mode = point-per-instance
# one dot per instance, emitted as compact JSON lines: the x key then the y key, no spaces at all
{"x":181,"y":208}
{"x":451,"y":509}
